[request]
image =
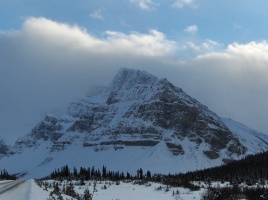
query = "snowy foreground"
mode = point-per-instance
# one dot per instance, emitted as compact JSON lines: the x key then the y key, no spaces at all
{"x":29,"y":190}
{"x":104,"y":190}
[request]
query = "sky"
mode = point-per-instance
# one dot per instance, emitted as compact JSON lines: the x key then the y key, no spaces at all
{"x":53,"y":52}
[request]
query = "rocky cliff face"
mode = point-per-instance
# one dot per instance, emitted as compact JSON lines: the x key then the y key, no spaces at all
{"x":47,"y":130}
{"x":139,"y":105}
{"x":138,"y":111}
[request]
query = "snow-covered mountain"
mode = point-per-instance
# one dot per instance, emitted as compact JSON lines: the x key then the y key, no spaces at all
{"x":137,"y":121}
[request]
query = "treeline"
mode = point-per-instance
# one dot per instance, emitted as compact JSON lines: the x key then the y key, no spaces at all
{"x":250,"y":170}
{"x":95,"y":174}
{"x":85,"y":174}
{"x":4,"y":175}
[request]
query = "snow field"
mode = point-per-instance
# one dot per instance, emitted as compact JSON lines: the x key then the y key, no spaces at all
{"x":108,"y":190}
{"x":131,"y":191}
{"x":143,"y":192}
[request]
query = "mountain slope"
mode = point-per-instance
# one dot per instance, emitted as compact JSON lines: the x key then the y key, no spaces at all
{"x":255,"y":141}
{"x":137,"y":121}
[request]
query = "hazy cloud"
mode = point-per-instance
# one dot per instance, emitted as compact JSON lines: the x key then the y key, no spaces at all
{"x":148,"y":5}
{"x":236,"y":81}
{"x":204,"y":47}
{"x":183,"y":3}
{"x":97,"y":14}
{"x":191,"y":29}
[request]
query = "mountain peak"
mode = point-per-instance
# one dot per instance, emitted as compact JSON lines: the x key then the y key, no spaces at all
{"x":127,"y":78}
{"x":140,"y":121}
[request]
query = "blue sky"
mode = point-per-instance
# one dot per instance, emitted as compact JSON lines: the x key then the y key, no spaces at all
{"x":220,"y":21}
{"x":52,"y":52}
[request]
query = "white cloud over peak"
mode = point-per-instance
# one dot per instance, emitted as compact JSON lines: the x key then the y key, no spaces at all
{"x":183,"y":3}
{"x":148,"y":5}
{"x":152,"y":44}
{"x":191,"y":29}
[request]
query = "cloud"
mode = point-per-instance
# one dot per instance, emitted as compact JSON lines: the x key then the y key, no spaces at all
{"x":235,"y":82}
{"x":147,"y":5}
{"x":152,"y":44}
{"x":191,"y":29}
{"x":124,"y":23}
{"x":183,"y":3}
{"x":97,"y":14}
{"x":203,"y":47}
{"x":78,"y":39}
{"x":252,"y":55}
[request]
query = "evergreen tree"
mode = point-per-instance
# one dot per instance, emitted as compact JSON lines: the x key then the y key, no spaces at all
{"x":5,"y":175}
{"x":75,"y":172}
{"x":70,"y":190}
{"x":148,"y":175}
{"x":88,"y":174}
{"x":82,"y":182}
{"x":128,"y":176}
{"x":87,"y":195}
{"x":104,"y":172}
{"x":93,"y":171}
{"x":140,"y":173}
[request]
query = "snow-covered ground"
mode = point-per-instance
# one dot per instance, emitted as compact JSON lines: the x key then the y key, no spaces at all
{"x":29,"y":190}
{"x":144,"y":192}
{"x":108,"y":190}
